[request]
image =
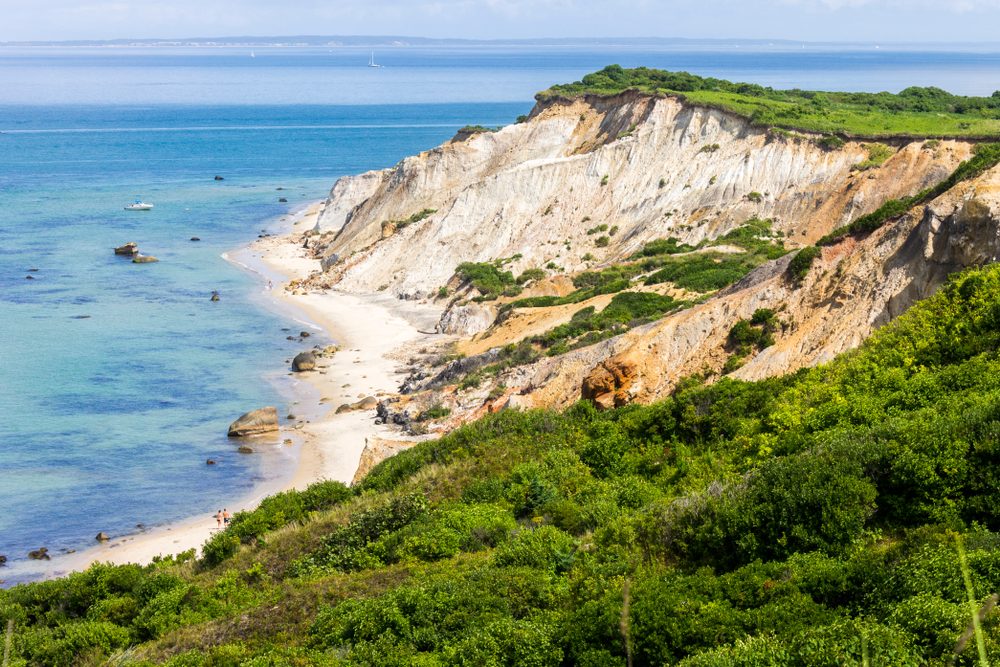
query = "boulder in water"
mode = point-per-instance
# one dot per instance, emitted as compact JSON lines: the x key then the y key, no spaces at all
{"x":219,"y":178}
{"x":144,"y":259}
{"x":304,"y":361}
{"x":130,"y":248}
{"x":195,"y":238}
{"x":102,"y":537}
{"x":215,"y":296}
{"x":41,"y":553}
{"x":255,"y":422}
{"x":282,"y":200}
{"x":3,"y":559}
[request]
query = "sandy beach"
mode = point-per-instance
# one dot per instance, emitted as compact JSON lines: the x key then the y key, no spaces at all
{"x":372,"y":333}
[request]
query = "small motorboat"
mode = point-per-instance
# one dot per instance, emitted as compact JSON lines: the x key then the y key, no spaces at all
{"x":138,"y":205}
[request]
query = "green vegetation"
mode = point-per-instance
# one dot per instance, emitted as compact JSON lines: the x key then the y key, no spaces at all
{"x":586,"y":327}
{"x":436,"y":411}
{"x":830,"y":142}
{"x":707,"y":271}
{"x":491,"y":280}
{"x":396,"y":225}
{"x":667,"y":246}
{"x":602,"y":241}
{"x":597,"y":230}
{"x":755,"y":197}
{"x":799,"y":267}
{"x":841,"y":515}
{"x":709,"y":148}
{"x":877,"y":155}
{"x":749,"y":336}
{"x":479,"y":129}
{"x":985,"y":157}
{"x":914,"y":112}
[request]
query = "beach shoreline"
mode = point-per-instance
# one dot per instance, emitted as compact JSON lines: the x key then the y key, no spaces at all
{"x":372,"y":334}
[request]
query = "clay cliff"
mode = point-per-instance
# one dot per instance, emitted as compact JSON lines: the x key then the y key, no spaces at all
{"x":639,"y":168}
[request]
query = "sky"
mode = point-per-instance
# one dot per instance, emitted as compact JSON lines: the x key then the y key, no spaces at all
{"x":879,"y":21}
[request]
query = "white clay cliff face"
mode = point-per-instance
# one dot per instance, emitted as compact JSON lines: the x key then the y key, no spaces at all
{"x":653,"y":168}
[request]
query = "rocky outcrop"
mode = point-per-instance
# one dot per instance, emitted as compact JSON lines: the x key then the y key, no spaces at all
{"x":467,"y":319}
{"x":377,"y":450}
{"x":304,"y":361}
{"x":129,"y":249}
{"x":255,"y":422}
{"x":608,"y":383}
{"x":366,"y":403}
{"x":144,"y":259}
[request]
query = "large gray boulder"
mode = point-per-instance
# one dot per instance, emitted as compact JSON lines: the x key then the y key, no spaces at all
{"x":255,"y":422}
{"x":304,"y":361}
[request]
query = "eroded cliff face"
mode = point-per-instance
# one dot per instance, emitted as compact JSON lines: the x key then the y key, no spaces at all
{"x":648,"y":167}
{"x":853,"y":288}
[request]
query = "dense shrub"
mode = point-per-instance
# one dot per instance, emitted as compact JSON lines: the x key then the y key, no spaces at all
{"x":799,"y":267}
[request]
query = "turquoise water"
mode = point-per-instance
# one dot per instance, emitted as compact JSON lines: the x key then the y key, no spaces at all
{"x":117,"y":380}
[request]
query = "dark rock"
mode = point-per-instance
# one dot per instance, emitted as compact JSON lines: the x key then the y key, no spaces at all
{"x":195,"y":238}
{"x":144,"y":259}
{"x":210,"y":462}
{"x":245,"y":450}
{"x":289,"y":416}
{"x":282,"y":200}
{"x":303,"y":334}
{"x":304,"y":361}
{"x":41,"y":553}
{"x":263,"y":420}
{"x":29,"y":277}
{"x":215,"y":296}
{"x":219,"y":178}
{"x":102,"y":537}
{"x":81,"y":317}
{"x":3,"y":559}
{"x":32,"y":270}
{"x":279,"y":189}
{"x":129,"y":249}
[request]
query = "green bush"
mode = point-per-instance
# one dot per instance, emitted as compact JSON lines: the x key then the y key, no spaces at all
{"x":799,"y":267}
{"x":878,"y":154}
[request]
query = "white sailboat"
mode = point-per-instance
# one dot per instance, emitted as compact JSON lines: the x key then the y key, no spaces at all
{"x":371,"y":61}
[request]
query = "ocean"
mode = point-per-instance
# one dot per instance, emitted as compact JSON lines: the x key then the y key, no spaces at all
{"x":117,"y":381}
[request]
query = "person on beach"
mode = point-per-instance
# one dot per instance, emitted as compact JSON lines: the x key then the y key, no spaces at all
{"x":218,"y":519}
{"x":225,"y":516}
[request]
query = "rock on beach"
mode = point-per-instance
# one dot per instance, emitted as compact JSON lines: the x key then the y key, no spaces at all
{"x":255,"y":422}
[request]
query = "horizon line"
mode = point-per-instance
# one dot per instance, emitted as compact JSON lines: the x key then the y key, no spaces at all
{"x":301,"y":40}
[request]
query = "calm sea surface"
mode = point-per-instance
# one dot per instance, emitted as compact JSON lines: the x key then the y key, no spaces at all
{"x":117,"y":380}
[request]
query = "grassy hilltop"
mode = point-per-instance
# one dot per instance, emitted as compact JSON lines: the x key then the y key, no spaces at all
{"x":914,"y":112}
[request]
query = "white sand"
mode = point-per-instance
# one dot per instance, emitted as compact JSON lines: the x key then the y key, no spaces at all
{"x":367,"y":329}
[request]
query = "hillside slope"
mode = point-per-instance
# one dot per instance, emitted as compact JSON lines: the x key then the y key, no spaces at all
{"x":845,"y":515}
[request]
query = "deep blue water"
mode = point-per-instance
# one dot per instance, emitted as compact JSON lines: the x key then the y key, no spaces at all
{"x":117,"y":380}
